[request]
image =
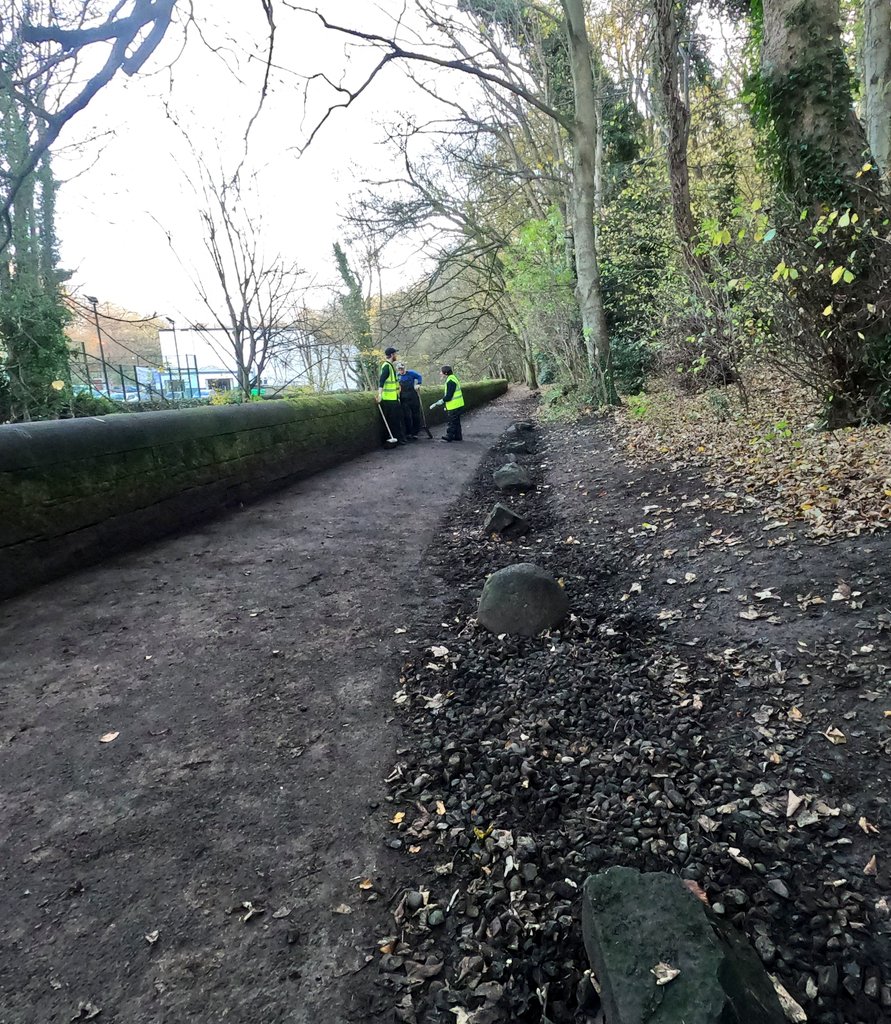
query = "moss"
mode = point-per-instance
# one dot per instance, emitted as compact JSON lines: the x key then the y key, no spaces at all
{"x":73,"y":475}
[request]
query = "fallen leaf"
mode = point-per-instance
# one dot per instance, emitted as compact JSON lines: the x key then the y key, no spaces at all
{"x":842,"y":592}
{"x":440,"y":807}
{"x":342,"y":908}
{"x":109,"y":737}
{"x":795,"y":714}
{"x":461,"y":1015}
{"x":872,"y":867}
{"x":696,"y":889}
{"x":87,"y":1011}
{"x":867,"y":826}
{"x":835,"y":735}
{"x":737,"y":856}
{"x":439,"y":652}
{"x":252,"y":911}
{"x":793,"y":802}
{"x":664,"y":973}
{"x":414,"y":849}
{"x":398,"y":818}
{"x":366,"y":883}
{"x":152,"y":937}
{"x":750,"y":613}
{"x":400,"y":630}
{"x":790,"y":1008}
{"x":281,"y":912}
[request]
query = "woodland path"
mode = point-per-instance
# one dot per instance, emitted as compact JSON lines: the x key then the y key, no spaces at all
{"x":248,"y":668}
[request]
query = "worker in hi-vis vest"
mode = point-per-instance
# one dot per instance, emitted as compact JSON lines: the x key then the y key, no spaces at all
{"x":453,"y":400}
{"x":388,"y":395}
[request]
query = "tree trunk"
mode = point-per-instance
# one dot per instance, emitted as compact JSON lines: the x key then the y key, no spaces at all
{"x":598,"y":162}
{"x":583,"y":180}
{"x":877,"y":83}
{"x":529,"y":364}
{"x":668,"y":22}
{"x":808,"y":100}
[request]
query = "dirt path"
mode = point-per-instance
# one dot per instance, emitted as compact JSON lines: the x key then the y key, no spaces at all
{"x":247,"y":668}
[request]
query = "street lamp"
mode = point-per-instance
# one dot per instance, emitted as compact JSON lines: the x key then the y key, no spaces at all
{"x":93,"y":301}
{"x":179,"y":372}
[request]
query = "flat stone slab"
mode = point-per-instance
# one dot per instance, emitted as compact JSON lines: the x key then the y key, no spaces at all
{"x":636,"y":923}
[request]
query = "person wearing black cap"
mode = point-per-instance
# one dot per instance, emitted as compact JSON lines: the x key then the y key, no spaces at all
{"x":388,"y":395}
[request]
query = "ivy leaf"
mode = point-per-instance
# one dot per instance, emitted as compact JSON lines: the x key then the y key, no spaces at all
{"x":845,"y":220}
{"x":848,"y":277}
{"x":837,"y":274}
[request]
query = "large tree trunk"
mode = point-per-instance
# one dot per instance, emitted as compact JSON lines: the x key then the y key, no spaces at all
{"x":877,"y":82}
{"x":584,"y":138}
{"x":808,"y":98}
{"x":668,"y":18}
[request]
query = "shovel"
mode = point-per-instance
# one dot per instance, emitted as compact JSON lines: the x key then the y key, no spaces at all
{"x":424,"y":421}
{"x":390,"y":439}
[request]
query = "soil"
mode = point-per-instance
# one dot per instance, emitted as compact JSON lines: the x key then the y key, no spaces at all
{"x":249,"y":669}
{"x":678,"y":722}
{"x":189,"y":869}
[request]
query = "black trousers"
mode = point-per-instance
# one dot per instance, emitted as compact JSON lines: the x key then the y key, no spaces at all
{"x":393,"y":413}
{"x":411,"y":413}
{"x":453,"y":430}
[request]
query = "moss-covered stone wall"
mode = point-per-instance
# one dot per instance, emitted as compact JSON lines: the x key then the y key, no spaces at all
{"x":75,"y":491}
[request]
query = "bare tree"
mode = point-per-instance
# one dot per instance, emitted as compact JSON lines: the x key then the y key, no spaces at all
{"x":249,"y":294}
{"x":501,"y":69}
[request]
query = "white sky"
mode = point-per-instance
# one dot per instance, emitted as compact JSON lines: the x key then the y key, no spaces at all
{"x":126,"y":188}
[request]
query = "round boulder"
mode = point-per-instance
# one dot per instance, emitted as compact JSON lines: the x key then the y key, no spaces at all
{"x":522,"y":599}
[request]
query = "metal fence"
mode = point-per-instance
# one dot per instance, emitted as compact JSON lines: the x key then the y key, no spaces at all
{"x":132,"y":383}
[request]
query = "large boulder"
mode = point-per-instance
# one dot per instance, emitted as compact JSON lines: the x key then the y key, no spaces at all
{"x":633,"y":923}
{"x":505,"y":521}
{"x":522,"y":599}
{"x":512,"y":476}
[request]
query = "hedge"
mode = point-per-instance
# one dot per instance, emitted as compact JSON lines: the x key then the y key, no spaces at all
{"x":74,"y":491}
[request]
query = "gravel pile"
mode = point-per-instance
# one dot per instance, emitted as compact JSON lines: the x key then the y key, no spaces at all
{"x":530,"y":763}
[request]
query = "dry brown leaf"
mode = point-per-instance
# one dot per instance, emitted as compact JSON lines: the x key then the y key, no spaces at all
{"x":343,"y":908}
{"x":440,"y":807}
{"x":366,"y":883}
{"x":664,"y":973}
{"x":872,"y":867}
{"x":867,"y":826}
{"x":398,"y":818}
{"x":109,"y":737}
{"x":835,"y":735}
{"x":696,"y":889}
{"x":793,"y":802}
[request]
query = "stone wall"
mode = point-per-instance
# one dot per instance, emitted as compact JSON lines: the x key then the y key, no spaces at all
{"x":74,"y":491}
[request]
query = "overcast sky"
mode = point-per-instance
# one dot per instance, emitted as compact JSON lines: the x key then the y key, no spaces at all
{"x":126,"y":160}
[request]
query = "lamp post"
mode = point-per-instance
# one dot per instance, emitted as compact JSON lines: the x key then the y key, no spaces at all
{"x":179,"y":372}
{"x":93,"y":301}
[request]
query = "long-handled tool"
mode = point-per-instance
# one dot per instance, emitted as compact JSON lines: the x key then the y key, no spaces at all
{"x":390,"y":439}
{"x":424,"y":421}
